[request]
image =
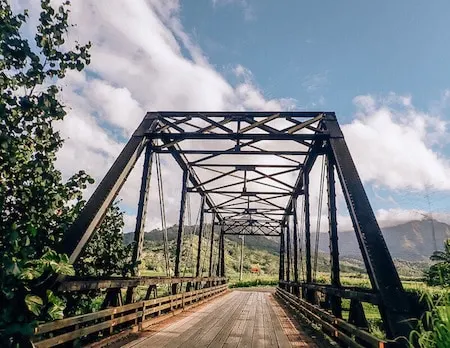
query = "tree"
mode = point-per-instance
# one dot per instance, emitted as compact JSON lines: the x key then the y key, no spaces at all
{"x":36,"y":205}
{"x":106,"y":254}
{"x":439,"y":273}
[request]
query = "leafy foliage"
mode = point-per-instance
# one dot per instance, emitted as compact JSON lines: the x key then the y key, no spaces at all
{"x":433,"y":329}
{"x":439,"y":273}
{"x":36,"y":205}
{"x":106,"y":254}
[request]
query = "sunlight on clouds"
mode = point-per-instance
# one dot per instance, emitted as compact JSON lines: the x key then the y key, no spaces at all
{"x":143,"y":60}
{"x":390,"y":142}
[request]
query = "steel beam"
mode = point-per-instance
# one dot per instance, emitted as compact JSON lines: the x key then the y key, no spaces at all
{"x":80,"y":232}
{"x":183,"y":163}
{"x":235,"y":115}
{"x":307,"y":229}
{"x":288,"y":253}
{"x":256,"y":165}
{"x":180,"y":228}
{"x":233,"y":152}
{"x":176,"y":137}
{"x":211,"y":246}
{"x":294,"y":205}
{"x":222,"y":254}
{"x":395,"y":309}
{"x":142,"y":210}
{"x":336,"y":304}
{"x":200,"y":236}
{"x":219,"y":253}
{"x":282,"y":251}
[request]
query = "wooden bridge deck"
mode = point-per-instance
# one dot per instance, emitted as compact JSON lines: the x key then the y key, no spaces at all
{"x":237,"y":319}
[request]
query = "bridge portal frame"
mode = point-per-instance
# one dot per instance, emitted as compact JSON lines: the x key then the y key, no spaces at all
{"x":318,"y":132}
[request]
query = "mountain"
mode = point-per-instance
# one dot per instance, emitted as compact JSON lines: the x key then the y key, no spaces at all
{"x":252,"y":242}
{"x":411,"y":241}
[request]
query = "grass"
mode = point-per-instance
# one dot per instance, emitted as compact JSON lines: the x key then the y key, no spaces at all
{"x":254,"y":282}
{"x":433,"y":329}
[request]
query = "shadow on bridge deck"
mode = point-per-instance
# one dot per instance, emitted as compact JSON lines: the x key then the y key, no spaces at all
{"x":237,"y":319}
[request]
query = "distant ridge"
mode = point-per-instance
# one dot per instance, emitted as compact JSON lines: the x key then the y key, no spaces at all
{"x":411,"y":241}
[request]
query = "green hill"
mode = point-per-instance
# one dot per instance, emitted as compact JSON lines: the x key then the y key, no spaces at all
{"x":258,"y":251}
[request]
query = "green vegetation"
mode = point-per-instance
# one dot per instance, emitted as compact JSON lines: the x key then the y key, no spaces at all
{"x":434,"y":328}
{"x":37,"y":205}
{"x":439,"y":273}
{"x":106,"y":254}
{"x":34,"y":200}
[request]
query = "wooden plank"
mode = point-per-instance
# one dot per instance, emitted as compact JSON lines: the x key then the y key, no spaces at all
{"x":247,"y":337}
{"x":224,"y":333}
{"x":269,"y":333}
{"x":79,"y":319}
{"x":215,"y":323}
{"x":169,"y":335}
{"x":78,"y":284}
{"x":211,"y":317}
{"x":236,"y":333}
{"x":86,"y":331}
{"x":171,"y":314}
{"x":281,"y":337}
{"x":258,"y":332}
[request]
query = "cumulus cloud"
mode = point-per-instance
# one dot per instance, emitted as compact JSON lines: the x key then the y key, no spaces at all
{"x":392,"y":144}
{"x":143,"y":60}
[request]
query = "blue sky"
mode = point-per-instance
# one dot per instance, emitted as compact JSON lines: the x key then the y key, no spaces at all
{"x":334,"y":49}
{"x":383,"y":67}
{"x":324,"y":53}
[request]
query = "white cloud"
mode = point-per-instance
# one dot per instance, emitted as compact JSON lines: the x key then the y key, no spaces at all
{"x":142,"y":60}
{"x":391,"y":144}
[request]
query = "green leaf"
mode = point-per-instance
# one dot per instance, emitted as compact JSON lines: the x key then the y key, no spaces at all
{"x":56,"y":309}
{"x":34,"y":304}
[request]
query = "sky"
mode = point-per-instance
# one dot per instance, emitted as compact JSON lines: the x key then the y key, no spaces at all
{"x":381,"y":66}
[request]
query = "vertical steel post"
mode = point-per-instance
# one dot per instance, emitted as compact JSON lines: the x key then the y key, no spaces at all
{"x":336,"y":303}
{"x":395,"y":307}
{"x":307,"y":229}
{"x":288,"y":254}
{"x":200,"y":235}
{"x":180,"y":229}
{"x":282,"y":251}
{"x":219,"y":253}
{"x":241,"y":263}
{"x":222,"y":253}
{"x":294,"y":211}
{"x":142,"y":209}
{"x":211,"y":246}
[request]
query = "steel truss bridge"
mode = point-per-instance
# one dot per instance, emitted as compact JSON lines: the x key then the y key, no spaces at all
{"x":250,"y":170}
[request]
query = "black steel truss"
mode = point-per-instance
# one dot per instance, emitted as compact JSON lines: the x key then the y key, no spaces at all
{"x":250,"y":168}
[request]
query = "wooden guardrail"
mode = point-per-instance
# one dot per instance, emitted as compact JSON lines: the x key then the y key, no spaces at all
{"x":352,"y":293}
{"x":87,"y":283}
{"x":343,"y":331}
{"x":139,"y":315}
